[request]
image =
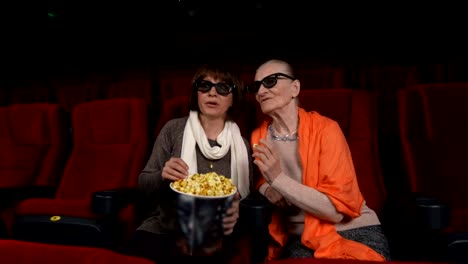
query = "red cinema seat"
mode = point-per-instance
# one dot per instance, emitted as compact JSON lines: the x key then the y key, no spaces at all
{"x":33,"y":140}
{"x":110,"y":147}
{"x":34,"y":146}
{"x":434,"y":137}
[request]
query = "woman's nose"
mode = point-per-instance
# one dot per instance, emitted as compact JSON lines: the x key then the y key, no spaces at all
{"x":212,"y":91}
{"x":262,"y":89}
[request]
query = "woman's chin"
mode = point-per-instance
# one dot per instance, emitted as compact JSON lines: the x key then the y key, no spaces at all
{"x":267,"y":110}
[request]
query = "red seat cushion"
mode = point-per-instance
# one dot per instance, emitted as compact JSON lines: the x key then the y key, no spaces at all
{"x":23,"y":252}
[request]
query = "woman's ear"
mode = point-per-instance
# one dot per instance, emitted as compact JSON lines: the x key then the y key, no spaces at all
{"x":296,"y":88}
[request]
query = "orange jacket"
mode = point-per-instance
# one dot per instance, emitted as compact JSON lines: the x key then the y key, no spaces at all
{"x":328,"y":167}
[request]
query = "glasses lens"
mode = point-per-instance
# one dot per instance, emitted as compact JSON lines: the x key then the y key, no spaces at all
{"x":270,"y":81}
{"x":255,"y":87}
{"x":204,"y":86}
{"x":223,"y":88}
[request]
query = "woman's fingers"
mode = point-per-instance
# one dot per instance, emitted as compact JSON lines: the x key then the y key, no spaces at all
{"x":231,"y":216}
{"x":264,"y":152}
{"x":175,"y":169}
{"x":266,"y":160}
{"x":172,"y":174}
{"x":260,"y":156}
{"x":179,"y":165}
{"x":230,"y":220}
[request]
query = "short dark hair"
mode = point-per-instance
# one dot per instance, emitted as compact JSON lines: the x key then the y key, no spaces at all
{"x":223,"y":73}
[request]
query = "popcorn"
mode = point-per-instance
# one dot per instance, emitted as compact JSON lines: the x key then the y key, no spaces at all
{"x":208,"y":184}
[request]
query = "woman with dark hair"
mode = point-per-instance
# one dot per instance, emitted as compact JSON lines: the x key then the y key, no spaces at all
{"x":207,"y":140}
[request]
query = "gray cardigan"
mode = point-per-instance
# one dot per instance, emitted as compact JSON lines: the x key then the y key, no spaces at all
{"x":160,"y":197}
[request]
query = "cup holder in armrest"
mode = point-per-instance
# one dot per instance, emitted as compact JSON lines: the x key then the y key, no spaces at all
{"x":255,"y":211}
{"x":112,"y":201}
{"x":106,"y":202}
{"x":434,"y":213}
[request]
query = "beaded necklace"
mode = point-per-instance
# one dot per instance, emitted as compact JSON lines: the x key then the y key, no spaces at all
{"x":293,"y":137}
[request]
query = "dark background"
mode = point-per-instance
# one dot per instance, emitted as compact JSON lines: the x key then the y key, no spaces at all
{"x":112,"y":33}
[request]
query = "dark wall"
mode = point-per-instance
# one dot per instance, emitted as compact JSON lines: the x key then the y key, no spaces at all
{"x":129,"y":32}
{"x":84,"y":36}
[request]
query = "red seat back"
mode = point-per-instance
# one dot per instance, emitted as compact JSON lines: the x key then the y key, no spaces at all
{"x":174,"y":83}
{"x":33,"y":144}
{"x":322,"y":77}
{"x":134,"y":84}
{"x":72,"y":91}
{"x":172,"y":108}
{"x":110,"y":140}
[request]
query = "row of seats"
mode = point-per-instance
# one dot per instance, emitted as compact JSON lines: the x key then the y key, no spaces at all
{"x":158,"y":84}
{"x":95,"y":195}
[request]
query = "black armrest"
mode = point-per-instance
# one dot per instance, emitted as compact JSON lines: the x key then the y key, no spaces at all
{"x":431,"y":212}
{"x":109,"y":202}
{"x":254,"y":218}
{"x":423,"y":211}
{"x":457,"y":248}
{"x":414,"y":224}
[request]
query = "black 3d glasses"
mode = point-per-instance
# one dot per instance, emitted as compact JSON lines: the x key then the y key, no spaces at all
{"x":268,"y":82}
{"x":221,"y":88}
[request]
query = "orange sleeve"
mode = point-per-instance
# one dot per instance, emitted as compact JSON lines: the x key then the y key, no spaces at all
{"x":337,"y":175}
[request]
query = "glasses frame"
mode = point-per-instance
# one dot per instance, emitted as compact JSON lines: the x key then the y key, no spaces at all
{"x":277,"y":76}
{"x":197,"y":83}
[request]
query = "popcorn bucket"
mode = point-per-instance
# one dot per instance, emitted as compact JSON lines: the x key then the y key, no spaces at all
{"x":200,"y":222}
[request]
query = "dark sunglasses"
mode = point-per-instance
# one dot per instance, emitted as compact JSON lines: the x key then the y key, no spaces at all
{"x":268,"y":82}
{"x":221,"y":88}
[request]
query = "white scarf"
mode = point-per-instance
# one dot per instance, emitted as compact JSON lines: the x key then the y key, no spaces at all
{"x":229,"y":138}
